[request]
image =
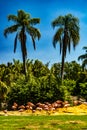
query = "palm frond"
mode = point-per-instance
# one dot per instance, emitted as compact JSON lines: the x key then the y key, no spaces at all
{"x":10,"y":29}
{"x":74,"y":31}
{"x":21,"y":14}
{"x":33,"y":43}
{"x":57,"y":37}
{"x":85,"y":48}
{"x":34,"y":32}
{"x":84,"y":63}
{"x":75,"y":37}
{"x":27,"y":16}
{"x":82,"y":57}
{"x":23,"y":17}
{"x":13,"y":18}
{"x":58,"y":21}
{"x":34,"y":21}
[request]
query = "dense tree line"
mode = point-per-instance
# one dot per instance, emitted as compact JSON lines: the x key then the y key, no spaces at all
{"x":41,"y":83}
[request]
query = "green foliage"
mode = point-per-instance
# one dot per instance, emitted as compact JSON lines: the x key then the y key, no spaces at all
{"x":42,"y":84}
{"x":56,"y":70}
{"x":83,"y":88}
{"x":39,"y":69}
{"x":35,"y":90}
{"x":71,"y":70}
{"x":50,"y":88}
{"x":70,"y":86}
{"x":82,"y":79}
{"x":3,"y":90}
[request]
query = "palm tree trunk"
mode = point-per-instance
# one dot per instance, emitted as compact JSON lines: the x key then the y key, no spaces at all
{"x":62,"y":67}
{"x":24,"y":63}
{"x":23,"y":52}
{"x":64,"y":52}
{"x":0,"y":104}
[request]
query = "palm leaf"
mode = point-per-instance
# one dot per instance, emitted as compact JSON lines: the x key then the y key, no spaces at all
{"x":34,"y":32}
{"x":75,"y":37}
{"x":58,"y":21}
{"x":82,"y":57}
{"x":33,"y":43}
{"x":85,"y":48}
{"x":57,"y":37}
{"x":10,"y":29}
{"x":84,"y":63}
{"x":13,"y":18}
{"x":34,"y":21}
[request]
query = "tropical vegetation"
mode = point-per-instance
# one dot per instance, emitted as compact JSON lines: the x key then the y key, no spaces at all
{"x":42,"y":84}
{"x":33,"y":81}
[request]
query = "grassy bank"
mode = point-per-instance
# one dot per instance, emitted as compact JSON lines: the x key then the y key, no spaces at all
{"x":61,"y":122}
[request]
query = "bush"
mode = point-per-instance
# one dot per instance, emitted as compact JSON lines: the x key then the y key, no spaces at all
{"x":44,"y":89}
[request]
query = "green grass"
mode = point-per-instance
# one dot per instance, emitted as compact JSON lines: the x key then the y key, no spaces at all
{"x":60,"y":122}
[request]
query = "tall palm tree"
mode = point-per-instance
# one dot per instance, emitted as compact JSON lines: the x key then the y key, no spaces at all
{"x":83,"y":58}
{"x":67,"y":33}
{"x":23,"y":24}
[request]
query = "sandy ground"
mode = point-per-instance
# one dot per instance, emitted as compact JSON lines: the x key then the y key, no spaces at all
{"x":75,"y":110}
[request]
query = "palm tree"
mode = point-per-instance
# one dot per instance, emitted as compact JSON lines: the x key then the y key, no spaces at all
{"x":23,"y":24}
{"x":67,"y":33}
{"x":83,"y":58}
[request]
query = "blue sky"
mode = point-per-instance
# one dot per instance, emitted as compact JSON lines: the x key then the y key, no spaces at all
{"x":47,"y":11}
